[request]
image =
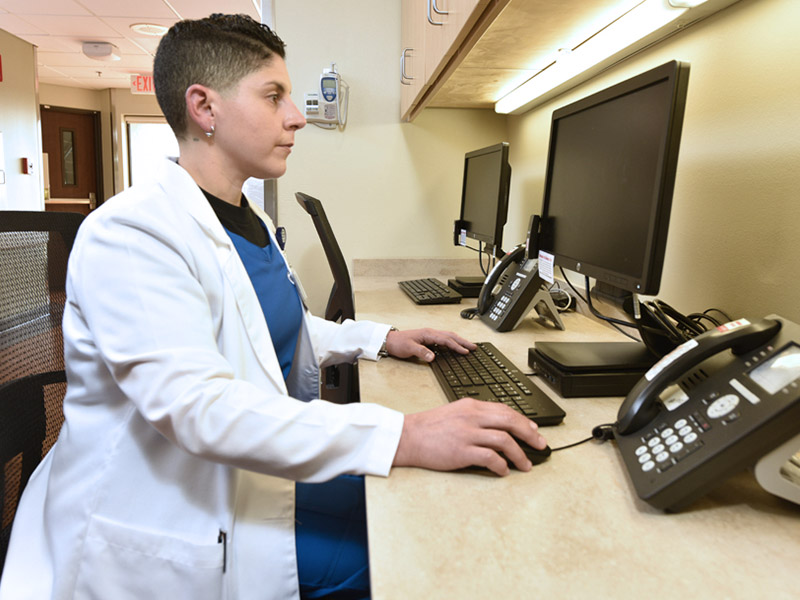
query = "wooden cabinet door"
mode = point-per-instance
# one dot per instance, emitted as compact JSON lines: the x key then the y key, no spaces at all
{"x":432,"y":31}
{"x":412,"y":58}
{"x":455,"y":18}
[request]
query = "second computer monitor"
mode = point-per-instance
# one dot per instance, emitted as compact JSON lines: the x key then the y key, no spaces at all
{"x":484,"y":195}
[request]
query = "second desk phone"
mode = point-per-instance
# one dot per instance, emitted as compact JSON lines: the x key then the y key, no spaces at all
{"x":514,"y":286}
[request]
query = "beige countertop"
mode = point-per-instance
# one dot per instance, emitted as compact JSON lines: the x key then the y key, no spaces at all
{"x":572,"y":527}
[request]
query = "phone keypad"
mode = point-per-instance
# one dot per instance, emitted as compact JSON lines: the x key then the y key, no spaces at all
{"x":665,"y":445}
{"x":500,"y":307}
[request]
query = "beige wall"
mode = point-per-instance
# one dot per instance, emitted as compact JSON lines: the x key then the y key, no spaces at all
{"x":389,"y":189}
{"x":19,"y":123}
{"x":733,"y":239}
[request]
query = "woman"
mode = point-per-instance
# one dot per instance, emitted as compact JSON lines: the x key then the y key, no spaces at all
{"x":193,"y":367}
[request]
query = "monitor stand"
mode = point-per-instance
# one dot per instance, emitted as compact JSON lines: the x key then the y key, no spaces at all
{"x":467,"y":285}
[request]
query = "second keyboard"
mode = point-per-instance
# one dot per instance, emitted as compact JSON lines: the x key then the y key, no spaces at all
{"x":429,"y":291}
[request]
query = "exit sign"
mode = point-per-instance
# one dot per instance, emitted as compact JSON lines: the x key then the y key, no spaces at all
{"x":142,"y":84}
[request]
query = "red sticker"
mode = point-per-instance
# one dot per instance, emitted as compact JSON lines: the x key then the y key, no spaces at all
{"x":733,"y":325}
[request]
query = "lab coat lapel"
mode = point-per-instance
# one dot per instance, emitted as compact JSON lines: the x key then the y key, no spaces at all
{"x":303,"y":381}
{"x":180,"y":186}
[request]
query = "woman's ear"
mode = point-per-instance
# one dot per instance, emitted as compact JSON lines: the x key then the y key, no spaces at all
{"x":199,"y":107}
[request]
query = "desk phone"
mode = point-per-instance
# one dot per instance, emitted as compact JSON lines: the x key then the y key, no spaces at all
{"x":717,"y":404}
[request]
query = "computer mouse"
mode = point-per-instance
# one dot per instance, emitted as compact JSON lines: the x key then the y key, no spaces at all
{"x":534,"y":455}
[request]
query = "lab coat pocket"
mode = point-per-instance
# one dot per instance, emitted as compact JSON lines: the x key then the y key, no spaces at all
{"x":123,"y":562}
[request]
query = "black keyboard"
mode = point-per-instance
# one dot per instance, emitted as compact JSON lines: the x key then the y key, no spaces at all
{"x":429,"y":291}
{"x":485,"y":374}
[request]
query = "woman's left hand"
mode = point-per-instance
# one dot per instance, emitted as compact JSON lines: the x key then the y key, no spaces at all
{"x":415,"y":342}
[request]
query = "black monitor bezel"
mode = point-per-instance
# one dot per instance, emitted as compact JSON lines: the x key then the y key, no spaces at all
{"x":676,"y":74}
{"x":495,"y":240}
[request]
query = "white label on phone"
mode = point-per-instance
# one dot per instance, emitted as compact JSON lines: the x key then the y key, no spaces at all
{"x":670,"y":358}
{"x":546,"y":266}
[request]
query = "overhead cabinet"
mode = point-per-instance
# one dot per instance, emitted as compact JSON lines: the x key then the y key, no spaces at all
{"x":434,"y":35}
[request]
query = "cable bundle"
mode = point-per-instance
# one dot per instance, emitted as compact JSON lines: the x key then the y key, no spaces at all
{"x":660,"y":326}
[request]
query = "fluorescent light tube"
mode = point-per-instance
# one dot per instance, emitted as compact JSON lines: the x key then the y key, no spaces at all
{"x":636,"y":24}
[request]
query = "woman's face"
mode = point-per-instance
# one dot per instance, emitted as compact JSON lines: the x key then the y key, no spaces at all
{"x":255,"y":122}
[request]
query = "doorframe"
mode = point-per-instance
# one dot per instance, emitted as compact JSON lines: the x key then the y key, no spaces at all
{"x":98,"y":143}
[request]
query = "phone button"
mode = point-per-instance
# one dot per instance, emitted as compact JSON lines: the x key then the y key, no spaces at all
{"x":722,"y":406}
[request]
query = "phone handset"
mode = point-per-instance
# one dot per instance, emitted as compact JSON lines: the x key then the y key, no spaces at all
{"x":488,"y":290}
{"x":641,"y":404}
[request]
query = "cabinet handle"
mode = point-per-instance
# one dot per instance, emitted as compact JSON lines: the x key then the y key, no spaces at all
{"x":436,"y":9}
{"x":403,"y":75}
{"x":430,"y":17}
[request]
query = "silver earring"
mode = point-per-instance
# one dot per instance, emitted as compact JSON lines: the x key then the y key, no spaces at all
{"x":210,"y":133}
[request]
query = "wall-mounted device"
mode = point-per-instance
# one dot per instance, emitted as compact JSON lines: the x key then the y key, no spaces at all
{"x":327,"y":107}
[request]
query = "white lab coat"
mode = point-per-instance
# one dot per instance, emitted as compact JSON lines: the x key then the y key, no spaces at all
{"x":179,"y":425}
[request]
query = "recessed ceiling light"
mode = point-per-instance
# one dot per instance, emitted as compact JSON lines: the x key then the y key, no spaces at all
{"x":149,"y":29}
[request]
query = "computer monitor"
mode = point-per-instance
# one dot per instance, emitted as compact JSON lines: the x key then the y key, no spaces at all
{"x":484,"y":197}
{"x":610,"y":177}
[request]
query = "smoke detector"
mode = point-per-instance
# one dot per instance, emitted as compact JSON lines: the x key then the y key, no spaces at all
{"x":101,"y":51}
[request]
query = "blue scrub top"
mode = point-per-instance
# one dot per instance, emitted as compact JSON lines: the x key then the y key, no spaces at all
{"x":277,"y":294}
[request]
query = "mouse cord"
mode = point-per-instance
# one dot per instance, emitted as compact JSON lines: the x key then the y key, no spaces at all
{"x":601,"y":433}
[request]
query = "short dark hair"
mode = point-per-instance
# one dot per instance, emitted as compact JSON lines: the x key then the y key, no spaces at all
{"x":217,"y":52}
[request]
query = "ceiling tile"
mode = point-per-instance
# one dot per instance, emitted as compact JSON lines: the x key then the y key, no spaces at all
{"x":139,"y":9}
{"x":19,"y":26}
{"x":50,"y":43}
{"x":89,"y":28}
{"x":43,"y":7}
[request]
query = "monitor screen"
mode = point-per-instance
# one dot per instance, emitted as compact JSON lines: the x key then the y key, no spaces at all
{"x":484,"y":194}
{"x":610,"y":177}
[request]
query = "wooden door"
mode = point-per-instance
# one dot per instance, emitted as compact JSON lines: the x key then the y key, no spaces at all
{"x":70,"y":138}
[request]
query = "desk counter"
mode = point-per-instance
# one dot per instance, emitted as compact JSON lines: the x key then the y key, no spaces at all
{"x":573,"y":526}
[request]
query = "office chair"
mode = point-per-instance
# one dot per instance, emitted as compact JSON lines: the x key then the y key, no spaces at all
{"x":340,"y":383}
{"x":35,"y":247}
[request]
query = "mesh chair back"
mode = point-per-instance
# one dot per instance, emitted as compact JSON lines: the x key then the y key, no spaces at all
{"x":34,"y":247}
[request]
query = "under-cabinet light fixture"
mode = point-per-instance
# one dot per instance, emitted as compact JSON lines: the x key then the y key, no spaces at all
{"x":633,"y":26}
